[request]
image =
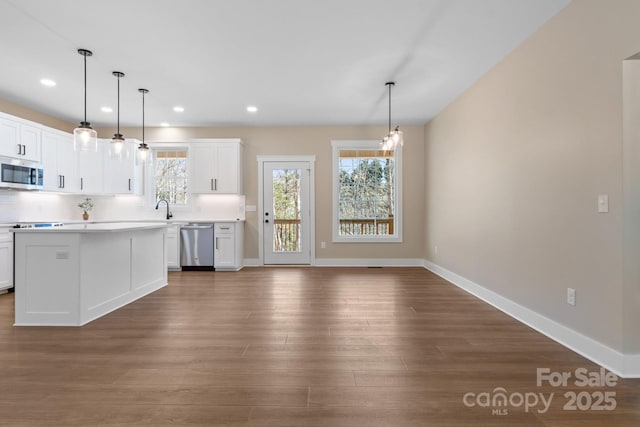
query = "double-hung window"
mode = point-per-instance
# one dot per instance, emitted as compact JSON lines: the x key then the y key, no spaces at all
{"x":367,"y":192}
{"x":169,"y":179}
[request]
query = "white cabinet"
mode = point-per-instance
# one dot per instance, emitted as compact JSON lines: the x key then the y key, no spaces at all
{"x":69,"y":278}
{"x":227,"y":253}
{"x":30,"y":137}
{"x":216,"y":167}
{"x":9,"y":137}
{"x":6,"y":260}
{"x":173,"y":247}
{"x":119,"y":173}
{"x":19,"y":140}
{"x":59,"y":162}
{"x":90,"y":171}
{"x":65,"y":170}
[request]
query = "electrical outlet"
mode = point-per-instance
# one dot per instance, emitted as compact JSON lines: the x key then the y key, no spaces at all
{"x":435,"y":249}
{"x":323,"y":245}
{"x":603,"y":203}
{"x":571,"y":296}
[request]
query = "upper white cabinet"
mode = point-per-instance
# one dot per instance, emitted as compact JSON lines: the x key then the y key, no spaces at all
{"x":68,"y":171}
{"x":90,"y":170}
{"x":216,"y":167}
{"x":9,"y":137}
{"x":30,"y":138}
{"x":59,"y":162}
{"x":19,"y":140}
{"x":120,"y":173}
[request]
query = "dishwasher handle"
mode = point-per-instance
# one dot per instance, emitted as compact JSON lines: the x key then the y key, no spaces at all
{"x":197,"y":226}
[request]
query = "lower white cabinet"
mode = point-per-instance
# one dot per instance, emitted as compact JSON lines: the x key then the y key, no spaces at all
{"x":228,"y":243}
{"x":173,"y":247}
{"x":75,"y":274}
{"x":6,"y":260}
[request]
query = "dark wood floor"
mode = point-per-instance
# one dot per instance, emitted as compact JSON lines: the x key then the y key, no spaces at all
{"x":294,"y":347}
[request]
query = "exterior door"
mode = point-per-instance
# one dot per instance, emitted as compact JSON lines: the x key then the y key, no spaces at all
{"x":286,"y":213}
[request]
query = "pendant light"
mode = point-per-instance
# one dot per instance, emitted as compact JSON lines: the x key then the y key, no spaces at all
{"x":143,"y":148}
{"x":117,"y":142}
{"x":393,"y":138}
{"x":84,"y":137}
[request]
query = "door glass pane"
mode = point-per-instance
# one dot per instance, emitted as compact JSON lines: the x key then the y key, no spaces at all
{"x":286,"y":210}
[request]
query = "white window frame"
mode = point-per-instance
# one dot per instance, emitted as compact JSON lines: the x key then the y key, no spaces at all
{"x":337,"y":145}
{"x":150,"y":174}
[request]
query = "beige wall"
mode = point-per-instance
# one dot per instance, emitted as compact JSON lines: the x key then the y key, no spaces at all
{"x":36,"y":116}
{"x":514,"y":167}
{"x":631,"y":208}
{"x":317,"y":141}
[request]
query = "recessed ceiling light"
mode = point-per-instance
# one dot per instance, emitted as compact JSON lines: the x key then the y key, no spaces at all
{"x":178,"y":109}
{"x":48,"y":82}
{"x":252,"y":109}
{"x":107,"y":110}
{"x":164,"y":124}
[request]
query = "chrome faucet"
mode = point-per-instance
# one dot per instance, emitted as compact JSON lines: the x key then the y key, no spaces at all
{"x":169,"y":214}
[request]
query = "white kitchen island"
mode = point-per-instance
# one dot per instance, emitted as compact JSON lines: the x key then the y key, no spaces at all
{"x":71,"y":275}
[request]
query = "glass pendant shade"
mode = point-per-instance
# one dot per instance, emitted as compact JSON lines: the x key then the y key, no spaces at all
{"x":85,"y":138}
{"x":116,"y":147}
{"x":397,"y":137}
{"x":143,"y":153}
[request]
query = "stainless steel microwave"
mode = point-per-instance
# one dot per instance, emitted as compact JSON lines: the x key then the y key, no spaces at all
{"x":20,"y":174}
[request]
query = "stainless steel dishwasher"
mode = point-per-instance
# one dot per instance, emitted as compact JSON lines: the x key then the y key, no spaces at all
{"x":196,"y":247}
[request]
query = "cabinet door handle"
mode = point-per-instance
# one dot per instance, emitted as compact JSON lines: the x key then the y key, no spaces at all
{"x":216,"y":243}
{"x":19,"y":149}
{"x":64,"y":184}
{"x":81,"y":183}
{"x":24,"y":150}
{"x":129,"y":184}
{"x":215,"y":185}
{"x":60,"y":181}
{"x":211,"y":184}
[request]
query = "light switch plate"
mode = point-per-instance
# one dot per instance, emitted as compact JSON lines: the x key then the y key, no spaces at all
{"x":603,"y":203}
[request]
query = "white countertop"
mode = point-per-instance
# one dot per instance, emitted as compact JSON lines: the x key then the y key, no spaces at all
{"x":145,"y":221}
{"x":94,"y":227}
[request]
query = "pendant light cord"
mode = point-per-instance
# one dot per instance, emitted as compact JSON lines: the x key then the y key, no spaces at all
{"x":143,"y":117}
{"x":390,"y":84}
{"x":85,"y":87}
{"x":118,"y":104}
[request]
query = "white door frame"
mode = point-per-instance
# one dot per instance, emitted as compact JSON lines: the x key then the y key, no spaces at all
{"x":312,"y":202}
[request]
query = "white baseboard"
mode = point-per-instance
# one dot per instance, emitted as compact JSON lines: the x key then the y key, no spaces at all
{"x":353,"y":262}
{"x":623,"y":365}
{"x":368,"y":262}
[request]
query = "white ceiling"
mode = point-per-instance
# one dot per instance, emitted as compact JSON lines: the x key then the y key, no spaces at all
{"x":301,"y":62}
